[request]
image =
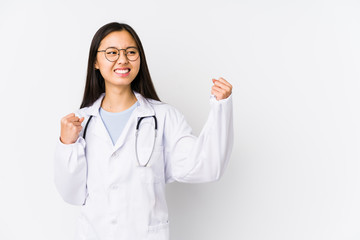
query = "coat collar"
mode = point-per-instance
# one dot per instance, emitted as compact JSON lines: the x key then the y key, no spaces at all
{"x":144,"y":108}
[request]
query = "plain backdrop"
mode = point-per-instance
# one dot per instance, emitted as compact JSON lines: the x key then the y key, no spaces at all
{"x":294,"y":67}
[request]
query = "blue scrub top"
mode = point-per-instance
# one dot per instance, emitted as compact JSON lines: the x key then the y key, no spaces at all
{"x":115,"y":122}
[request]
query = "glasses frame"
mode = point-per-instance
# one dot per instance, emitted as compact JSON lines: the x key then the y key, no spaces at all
{"x":119,"y":53}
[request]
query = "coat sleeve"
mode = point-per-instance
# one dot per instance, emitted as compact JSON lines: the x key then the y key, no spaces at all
{"x":200,"y":159}
{"x":70,"y":170}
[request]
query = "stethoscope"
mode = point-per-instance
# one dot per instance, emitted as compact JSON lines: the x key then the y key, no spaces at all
{"x":136,"y":137}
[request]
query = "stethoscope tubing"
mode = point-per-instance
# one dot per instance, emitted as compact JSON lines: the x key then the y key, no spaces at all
{"x":136,"y":137}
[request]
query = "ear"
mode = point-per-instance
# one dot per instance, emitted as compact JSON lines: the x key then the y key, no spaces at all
{"x":96,"y":65}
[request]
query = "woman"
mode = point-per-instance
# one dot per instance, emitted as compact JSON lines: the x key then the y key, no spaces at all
{"x":117,"y":152}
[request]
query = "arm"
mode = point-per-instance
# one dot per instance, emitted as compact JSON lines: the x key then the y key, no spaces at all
{"x":70,"y":168}
{"x":200,"y":159}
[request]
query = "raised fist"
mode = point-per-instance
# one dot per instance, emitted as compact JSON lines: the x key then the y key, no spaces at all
{"x":221,"y":88}
{"x":70,"y":128}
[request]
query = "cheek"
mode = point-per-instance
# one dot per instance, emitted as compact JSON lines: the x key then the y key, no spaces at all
{"x":137,"y":67}
{"x":105,"y":66}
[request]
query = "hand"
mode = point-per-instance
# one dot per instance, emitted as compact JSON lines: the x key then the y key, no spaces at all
{"x":70,"y":128}
{"x":221,"y":88}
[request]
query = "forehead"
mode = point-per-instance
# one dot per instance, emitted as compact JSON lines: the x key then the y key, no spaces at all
{"x":119,"y":39}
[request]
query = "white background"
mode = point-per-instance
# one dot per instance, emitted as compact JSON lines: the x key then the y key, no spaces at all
{"x":294,"y":65}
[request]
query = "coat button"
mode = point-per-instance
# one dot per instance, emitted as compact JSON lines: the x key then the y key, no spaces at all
{"x":114,"y":187}
{"x":114,"y":221}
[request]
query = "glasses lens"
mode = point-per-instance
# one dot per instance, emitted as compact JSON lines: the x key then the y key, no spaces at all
{"x":112,"y":54}
{"x":132,"y":53}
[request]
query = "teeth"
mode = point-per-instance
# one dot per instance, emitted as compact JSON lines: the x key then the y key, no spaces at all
{"x":122,"y":71}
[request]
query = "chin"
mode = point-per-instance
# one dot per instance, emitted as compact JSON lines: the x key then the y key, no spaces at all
{"x":122,"y":82}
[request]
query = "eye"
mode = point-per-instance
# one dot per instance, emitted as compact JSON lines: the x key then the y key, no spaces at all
{"x":132,"y":51}
{"x":111,"y":52}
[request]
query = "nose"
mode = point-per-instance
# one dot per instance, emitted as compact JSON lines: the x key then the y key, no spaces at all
{"x":122,"y":58}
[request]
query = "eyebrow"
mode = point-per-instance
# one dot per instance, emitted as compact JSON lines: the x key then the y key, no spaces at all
{"x":125,"y":48}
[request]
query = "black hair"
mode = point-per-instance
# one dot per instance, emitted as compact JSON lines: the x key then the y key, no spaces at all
{"x":95,"y":84}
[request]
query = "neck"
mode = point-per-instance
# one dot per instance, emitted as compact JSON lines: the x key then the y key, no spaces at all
{"x":118,"y":100}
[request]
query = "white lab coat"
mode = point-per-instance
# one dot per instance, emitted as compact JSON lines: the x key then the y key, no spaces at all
{"x":119,"y":199}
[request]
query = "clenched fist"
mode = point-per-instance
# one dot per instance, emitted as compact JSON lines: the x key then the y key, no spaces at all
{"x":221,"y":88}
{"x":70,"y":128}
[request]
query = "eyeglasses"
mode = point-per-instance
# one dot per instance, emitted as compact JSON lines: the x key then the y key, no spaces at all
{"x":112,"y":54}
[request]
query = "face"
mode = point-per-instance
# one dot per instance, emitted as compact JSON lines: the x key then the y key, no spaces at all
{"x":122,"y":72}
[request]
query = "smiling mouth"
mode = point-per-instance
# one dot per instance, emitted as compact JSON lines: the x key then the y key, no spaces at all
{"x":122,"y":71}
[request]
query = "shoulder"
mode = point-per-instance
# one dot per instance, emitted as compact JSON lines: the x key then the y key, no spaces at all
{"x":164,"y":108}
{"x":168,"y":115}
{"x":82,"y":112}
{"x":92,"y":108}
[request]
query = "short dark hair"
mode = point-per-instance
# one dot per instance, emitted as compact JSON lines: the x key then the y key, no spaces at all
{"x":95,"y":84}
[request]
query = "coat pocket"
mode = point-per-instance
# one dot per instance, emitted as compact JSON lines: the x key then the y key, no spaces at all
{"x":159,"y":232}
{"x":154,"y":170}
{"x":159,"y":227}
